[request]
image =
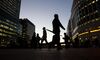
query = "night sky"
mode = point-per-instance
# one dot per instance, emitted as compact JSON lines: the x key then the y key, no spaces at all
{"x":41,"y":13}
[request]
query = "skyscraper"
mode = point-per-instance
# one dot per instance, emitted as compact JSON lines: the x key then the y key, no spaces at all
{"x":85,"y":19}
{"x":9,"y":21}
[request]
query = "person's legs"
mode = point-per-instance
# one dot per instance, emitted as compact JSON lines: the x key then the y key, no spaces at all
{"x":51,"y":44}
{"x":58,"y":40}
{"x":41,"y":43}
{"x":46,"y":41}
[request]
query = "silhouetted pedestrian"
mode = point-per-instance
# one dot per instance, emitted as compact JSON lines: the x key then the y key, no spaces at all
{"x":38,"y":40}
{"x":56,"y":29}
{"x":33,"y":41}
{"x":66,"y":39}
{"x":44,"y":37}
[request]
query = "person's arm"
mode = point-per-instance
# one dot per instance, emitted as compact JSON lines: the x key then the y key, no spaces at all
{"x":61,"y":25}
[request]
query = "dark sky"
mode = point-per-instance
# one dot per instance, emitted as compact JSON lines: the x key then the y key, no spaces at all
{"x":41,"y":13}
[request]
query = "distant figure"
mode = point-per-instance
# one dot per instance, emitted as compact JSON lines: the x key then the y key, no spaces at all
{"x":38,"y":40}
{"x":56,"y":29}
{"x":33,"y":41}
{"x":66,"y":38}
{"x":44,"y":37}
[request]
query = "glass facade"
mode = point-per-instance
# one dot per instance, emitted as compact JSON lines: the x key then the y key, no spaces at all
{"x":11,"y":7}
{"x":85,"y":19}
{"x":9,"y":21}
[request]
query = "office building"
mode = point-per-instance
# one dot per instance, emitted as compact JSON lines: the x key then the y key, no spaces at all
{"x":85,"y":19}
{"x":69,"y":29}
{"x":28,"y":28}
{"x":9,"y":21}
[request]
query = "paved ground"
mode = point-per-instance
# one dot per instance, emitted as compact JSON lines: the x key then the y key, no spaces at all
{"x":50,"y":54}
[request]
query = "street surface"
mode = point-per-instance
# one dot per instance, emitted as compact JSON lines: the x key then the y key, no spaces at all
{"x":50,"y":54}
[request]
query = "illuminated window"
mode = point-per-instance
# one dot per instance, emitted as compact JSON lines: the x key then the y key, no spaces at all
{"x":0,"y":34}
{"x":4,"y":34}
{"x":88,"y":21}
{"x":96,"y":0}
{"x":83,"y":33}
{"x":11,"y":29}
{"x":89,"y":3}
{"x":6,"y":27}
{"x":93,"y":1}
{"x":97,"y":19}
{"x":85,"y":5}
{"x":1,"y":25}
{"x":96,"y":11}
{"x":1,"y":30}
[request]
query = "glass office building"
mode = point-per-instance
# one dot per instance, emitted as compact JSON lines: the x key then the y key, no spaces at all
{"x":85,"y":19}
{"x":9,"y":21}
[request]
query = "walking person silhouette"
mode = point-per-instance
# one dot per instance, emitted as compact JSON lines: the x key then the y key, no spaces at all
{"x":33,"y":41}
{"x":66,"y":39}
{"x":44,"y":37}
{"x":38,"y":40}
{"x":56,"y":30}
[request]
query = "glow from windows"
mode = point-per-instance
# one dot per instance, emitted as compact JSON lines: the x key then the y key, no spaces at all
{"x":83,"y":33}
{"x":6,"y":27}
{"x":4,"y":34}
{"x":96,"y":0}
{"x":92,"y":31}
{"x":89,"y":4}
{"x":0,"y":30}
{"x":97,"y":19}
{"x":90,"y":21}
{"x":75,"y":35}
{"x":93,"y":1}
{"x":95,"y":30}
{"x":0,"y":34}
{"x":1,"y":25}
{"x":9,"y":23}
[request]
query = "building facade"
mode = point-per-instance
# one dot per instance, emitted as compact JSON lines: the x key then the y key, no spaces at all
{"x":9,"y":21}
{"x":28,"y":28}
{"x":69,"y":29}
{"x":85,"y":19}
